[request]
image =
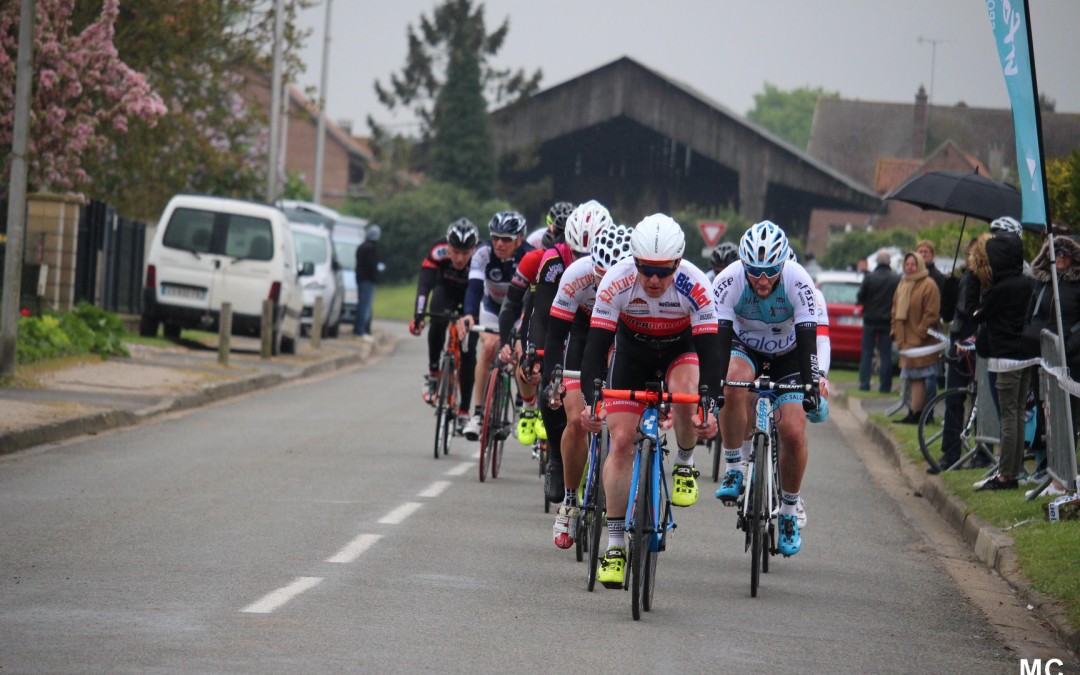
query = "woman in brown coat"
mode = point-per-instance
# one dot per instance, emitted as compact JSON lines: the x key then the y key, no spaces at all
{"x":916,"y":309}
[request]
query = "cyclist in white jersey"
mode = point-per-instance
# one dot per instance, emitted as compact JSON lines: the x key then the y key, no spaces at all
{"x":767,"y":318}
{"x":657,"y":309}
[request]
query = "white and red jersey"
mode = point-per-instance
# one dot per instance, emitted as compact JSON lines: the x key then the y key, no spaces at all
{"x":577,"y":290}
{"x":686,"y":304}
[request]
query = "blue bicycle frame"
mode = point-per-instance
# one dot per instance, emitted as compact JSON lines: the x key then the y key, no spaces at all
{"x":650,"y":430}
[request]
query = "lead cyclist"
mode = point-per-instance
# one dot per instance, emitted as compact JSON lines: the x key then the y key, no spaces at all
{"x":767,"y":317}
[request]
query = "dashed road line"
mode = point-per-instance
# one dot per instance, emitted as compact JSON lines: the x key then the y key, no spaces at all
{"x":435,"y":489}
{"x":459,"y":470}
{"x":354,"y":548}
{"x":275,"y":599}
{"x":399,"y":514}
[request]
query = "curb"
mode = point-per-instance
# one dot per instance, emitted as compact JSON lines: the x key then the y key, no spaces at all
{"x":98,"y":422}
{"x":990,"y":545}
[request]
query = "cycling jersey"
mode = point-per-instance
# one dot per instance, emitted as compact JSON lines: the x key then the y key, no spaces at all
{"x":489,"y":278}
{"x":536,"y":237}
{"x":438,"y":270}
{"x":824,"y":345}
{"x":569,"y":315}
{"x":766,"y":325}
{"x":522,"y":283}
{"x":554,"y":262}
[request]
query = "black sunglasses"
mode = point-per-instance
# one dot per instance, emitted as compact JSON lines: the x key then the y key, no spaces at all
{"x":661,"y":272}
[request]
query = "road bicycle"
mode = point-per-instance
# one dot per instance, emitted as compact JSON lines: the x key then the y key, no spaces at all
{"x":965,"y":400}
{"x":649,"y":519}
{"x":540,"y":445}
{"x":760,"y":505}
{"x":499,"y":413}
{"x":448,"y":386}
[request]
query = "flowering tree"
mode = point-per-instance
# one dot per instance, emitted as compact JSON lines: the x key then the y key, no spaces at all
{"x":83,"y":94}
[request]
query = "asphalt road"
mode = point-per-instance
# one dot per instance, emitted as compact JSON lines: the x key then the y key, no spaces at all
{"x":308,"y":529}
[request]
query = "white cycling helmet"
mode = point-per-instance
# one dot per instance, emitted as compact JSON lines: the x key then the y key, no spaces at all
{"x":764,"y":245}
{"x":610,"y":246}
{"x":658,"y":238}
{"x":1007,"y":224}
{"x":583,"y":225}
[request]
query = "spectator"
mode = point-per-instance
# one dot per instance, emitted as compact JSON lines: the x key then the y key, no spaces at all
{"x":861,"y":266}
{"x":961,"y":329}
{"x":367,"y":270}
{"x":915,"y":310}
{"x":876,"y":297}
{"x":1001,"y":318}
{"x":926,"y":249}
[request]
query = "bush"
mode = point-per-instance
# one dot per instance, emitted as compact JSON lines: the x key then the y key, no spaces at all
{"x":84,"y":330}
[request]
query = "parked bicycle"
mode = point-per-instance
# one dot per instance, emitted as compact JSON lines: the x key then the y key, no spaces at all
{"x":961,"y":403}
{"x":760,"y":505}
{"x":649,"y":519}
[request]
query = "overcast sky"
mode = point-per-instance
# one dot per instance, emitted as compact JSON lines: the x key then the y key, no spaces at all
{"x":726,"y":49}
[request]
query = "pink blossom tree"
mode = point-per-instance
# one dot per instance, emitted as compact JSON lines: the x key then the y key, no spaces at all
{"x":83,"y":96}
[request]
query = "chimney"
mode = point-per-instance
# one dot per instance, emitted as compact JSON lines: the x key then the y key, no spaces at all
{"x":919,"y":130}
{"x":346,"y":126}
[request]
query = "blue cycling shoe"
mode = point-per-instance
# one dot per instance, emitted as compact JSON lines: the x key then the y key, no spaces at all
{"x":730,"y":487}
{"x":790,"y":541}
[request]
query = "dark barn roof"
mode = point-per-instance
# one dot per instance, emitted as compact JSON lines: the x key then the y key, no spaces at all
{"x":642,"y":142}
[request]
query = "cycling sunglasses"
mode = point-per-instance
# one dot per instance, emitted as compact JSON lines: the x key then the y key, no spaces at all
{"x":768,"y":272}
{"x":660,"y":272}
{"x":502,"y":238}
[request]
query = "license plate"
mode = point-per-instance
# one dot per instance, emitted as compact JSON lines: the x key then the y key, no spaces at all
{"x":849,"y":320}
{"x":188,"y":292}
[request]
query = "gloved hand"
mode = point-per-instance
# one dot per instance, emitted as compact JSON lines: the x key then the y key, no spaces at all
{"x":820,"y":414}
{"x":811,"y":400}
{"x":416,"y":326}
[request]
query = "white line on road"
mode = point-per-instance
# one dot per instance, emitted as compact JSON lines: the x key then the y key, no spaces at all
{"x":400,"y":513}
{"x":354,"y":548}
{"x":275,"y":599}
{"x":435,"y":489}
{"x":460,"y":469}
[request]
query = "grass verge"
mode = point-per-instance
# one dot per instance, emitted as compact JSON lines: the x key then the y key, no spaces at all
{"x":1047,"y":553}
{"x":394,"y":302}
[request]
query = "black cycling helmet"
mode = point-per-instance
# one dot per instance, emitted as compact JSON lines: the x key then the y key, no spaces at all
{"x":557,"y":215}
{"x":507,"y":224}
{"x":724,"y":254}
{"x":462,"y":234}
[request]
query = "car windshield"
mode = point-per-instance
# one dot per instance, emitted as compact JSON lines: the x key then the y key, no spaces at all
{"x":839,"y":293}
{"x":310,"y":247}
{"x":346,"y":254}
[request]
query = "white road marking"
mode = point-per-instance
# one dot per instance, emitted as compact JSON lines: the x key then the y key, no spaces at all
{"x":399,"y":514}
{"x":460,"y":469}
{"x":435,"y":489}
{"x":354,"y":548}
{"x":477,"y":455}
{"x":275,"y":599}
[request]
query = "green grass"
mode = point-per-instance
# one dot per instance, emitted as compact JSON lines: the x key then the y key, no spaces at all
{"x":1047,"y":553}
{"x":394,"y":301}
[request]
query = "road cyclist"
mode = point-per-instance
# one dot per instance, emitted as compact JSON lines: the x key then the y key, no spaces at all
{"x":767,"y":317}
{"x":657,"y":310}
{"x":493,"y":265}
{"x":568,"y":326}
{"x":444,"y":277}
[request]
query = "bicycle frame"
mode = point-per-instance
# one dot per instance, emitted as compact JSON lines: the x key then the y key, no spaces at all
{"x":649,"y":428}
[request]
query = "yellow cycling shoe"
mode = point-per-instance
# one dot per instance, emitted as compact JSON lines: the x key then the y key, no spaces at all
{"x":538,"y":426}
{"x":684,"y":491}
{"x":612,"y":570}
{"x":526,"y":428}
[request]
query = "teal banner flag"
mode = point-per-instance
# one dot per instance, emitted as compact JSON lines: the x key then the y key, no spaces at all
{"x":1009,"y":21}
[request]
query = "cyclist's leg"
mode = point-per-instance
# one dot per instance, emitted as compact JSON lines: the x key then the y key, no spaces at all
{"x":467,"y":375}
{"x":618,"y":470}
{"x":573,"y":449}
{"x":791,"y":427}
{"x":735,"y":420}
{"x":554,"y":423}
{"x":489,"y":346}
{"x":682,"y":377}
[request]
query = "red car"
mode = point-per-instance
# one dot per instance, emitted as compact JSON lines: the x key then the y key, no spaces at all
{"x":845,"y":316}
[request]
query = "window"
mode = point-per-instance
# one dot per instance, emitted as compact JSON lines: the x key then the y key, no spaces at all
{"x":839,"y":293}
{"x":202,"y":231}
{"x":310,"y":247}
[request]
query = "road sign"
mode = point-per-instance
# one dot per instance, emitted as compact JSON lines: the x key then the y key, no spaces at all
{"x":711,"y":231}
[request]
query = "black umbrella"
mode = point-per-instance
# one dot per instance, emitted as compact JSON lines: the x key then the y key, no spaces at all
{"x":962,"y":193}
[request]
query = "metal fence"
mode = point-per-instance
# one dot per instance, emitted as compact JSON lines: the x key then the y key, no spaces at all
{"x":109,"y":266}
{"x":1060,"y":439}
{"x":987,"y":422}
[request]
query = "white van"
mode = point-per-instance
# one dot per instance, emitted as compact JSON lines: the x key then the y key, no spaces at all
{"x":209,"y":250}
{"x":313,"y":245}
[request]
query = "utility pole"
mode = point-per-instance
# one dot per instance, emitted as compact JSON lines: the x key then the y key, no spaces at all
{"x":933,"y":42}
{"x":320,"y":141}
{"x":275,"y":104}
{"x":16,"y":229}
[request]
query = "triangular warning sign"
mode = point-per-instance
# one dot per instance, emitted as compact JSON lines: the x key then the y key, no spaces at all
{"x":711,"y":231}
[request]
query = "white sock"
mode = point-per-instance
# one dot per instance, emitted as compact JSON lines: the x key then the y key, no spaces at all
{"x":686,"y":457}
{"x":733,"y":459}
{"x":616,"y":533}
{"x":788,"y":502}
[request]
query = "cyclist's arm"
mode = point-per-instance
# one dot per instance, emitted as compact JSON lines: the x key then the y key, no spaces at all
{"x":510,"y":311}
{"x":543,"y":297}
{"x":428,"y":276}
{"x":526,"y":318}
{"x":554,"y":342}
{"x":806,"y":344}
{"x":473,"y":295}
{"x":594,"y":360}
{"x":708,"y":350}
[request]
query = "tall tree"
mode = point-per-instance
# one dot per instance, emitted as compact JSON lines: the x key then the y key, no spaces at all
{"x":448,"y":82}
{"x":788,"y":114}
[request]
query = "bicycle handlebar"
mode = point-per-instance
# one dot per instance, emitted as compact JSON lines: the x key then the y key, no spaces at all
{"x":765,"y":384}
{"x":649,"y":397}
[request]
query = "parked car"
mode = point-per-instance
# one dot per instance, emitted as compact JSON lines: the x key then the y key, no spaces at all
{"x":313,"y":245}
{"x":845,"y":314}
{"x":210,"y":250}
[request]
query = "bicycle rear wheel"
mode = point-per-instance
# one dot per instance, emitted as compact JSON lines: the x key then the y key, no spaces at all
{"x":642,"y":525}
{"x":487,"y":427}
{"x":502,"y":428}
{"x":931,"y":425}
{"x":717,"y":449}
{"x":758,"y":503}
{"x":444,"y":406}
{"x":599,"y":506}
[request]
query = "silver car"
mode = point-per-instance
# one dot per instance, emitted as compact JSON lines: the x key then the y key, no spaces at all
{"x":313,"y":245}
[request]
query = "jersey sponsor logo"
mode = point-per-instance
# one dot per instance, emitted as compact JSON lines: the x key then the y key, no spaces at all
{"x":768,"y":344}
{"x":553,"y":273}
{"x":637,"y":307}
{"x":617,"y":286}
{"x":669,"y":303}
{"x":654,"y":325}
{"x":574,"y":286}
{"x":694,"y":292}
{"x":495,"y":274}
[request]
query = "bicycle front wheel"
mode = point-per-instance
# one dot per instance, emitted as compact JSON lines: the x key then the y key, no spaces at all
{"x":598,"y":508}
{"x":487,"y":427}
{"x":444,"y":406}
{"x":757,"y":506}
{"x":717,"y":449}
{"x":641,"y":531}
{"x":502,"y":422}
{"x":956,"y":402}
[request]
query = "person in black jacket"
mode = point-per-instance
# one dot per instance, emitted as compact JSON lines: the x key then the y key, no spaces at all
{"x":367,"y":269}
{"x":876,"y":297}
{"x":1001,"y":318}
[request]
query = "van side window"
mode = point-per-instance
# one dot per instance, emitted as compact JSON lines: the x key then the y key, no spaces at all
{"x":220,"y":233}
{"x":250,"y":238}
{"x":190,"y":230}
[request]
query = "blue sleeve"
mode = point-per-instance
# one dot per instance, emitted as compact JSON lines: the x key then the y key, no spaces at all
{"x":473,"y":295}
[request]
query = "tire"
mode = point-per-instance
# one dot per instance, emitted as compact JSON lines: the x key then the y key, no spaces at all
{"x":444,"y":410}
{"x":335,"y":330}
{"x":501,"y":414}
{"x":486,"y":427}
{"x":598,"y":511}
{"x":148,"y":325}
{"x":288,"y":345}
{"x":171,"y":331}
{"x":932,"y":419}
{"x":758,"y":517}
{"x":542,"y":460}
{"x":717,"y":449}
{"x":642,"y":525}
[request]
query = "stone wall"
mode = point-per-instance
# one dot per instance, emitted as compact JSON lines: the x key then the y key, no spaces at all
{"x":52,"y":239}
